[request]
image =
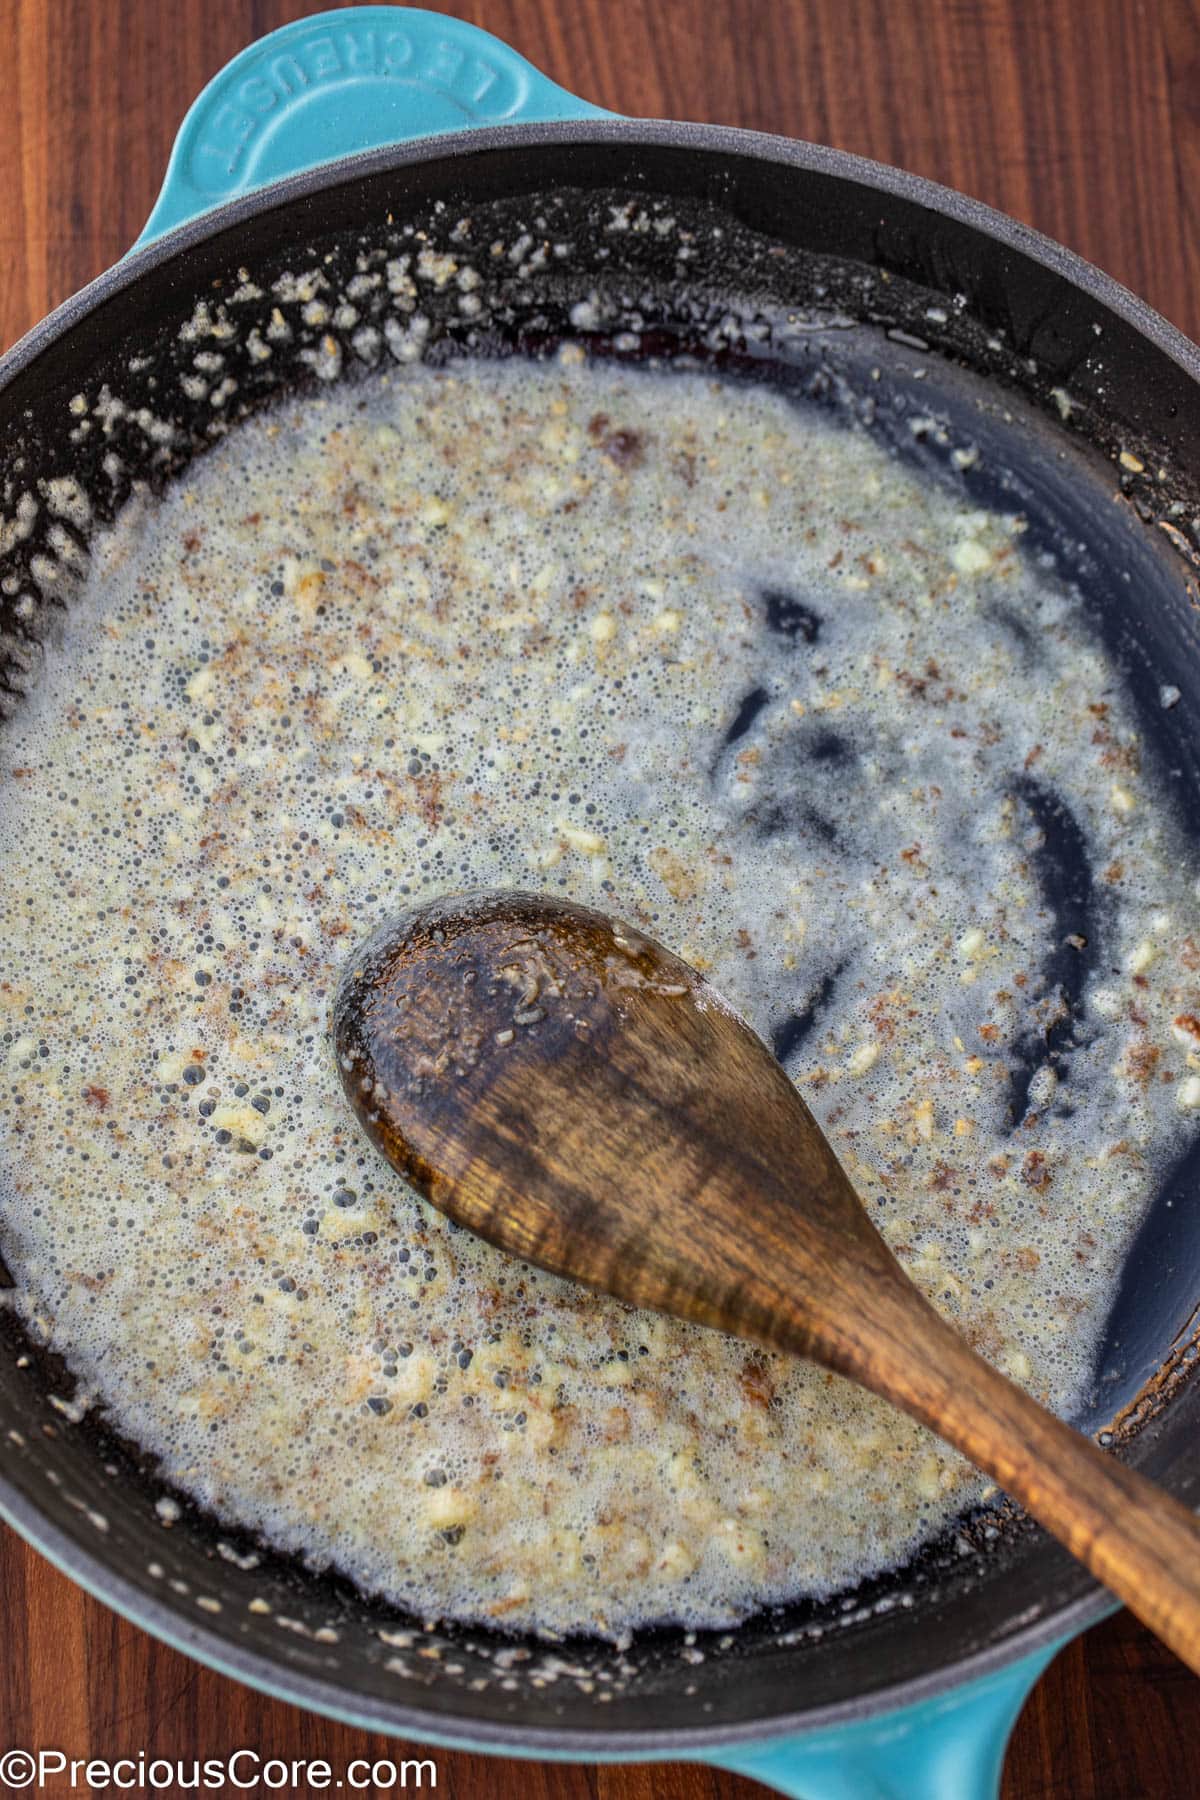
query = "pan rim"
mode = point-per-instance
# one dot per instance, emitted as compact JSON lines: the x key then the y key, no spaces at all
{"x":518,"y":1737}
{"x":931,"y":195}
{"x":169,"y":1623}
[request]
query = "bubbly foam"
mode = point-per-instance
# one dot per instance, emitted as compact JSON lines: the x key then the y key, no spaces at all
{"x":673,"y":647}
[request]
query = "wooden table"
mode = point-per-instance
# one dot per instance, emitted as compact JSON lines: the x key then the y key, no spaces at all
{"x":1081,"y":116}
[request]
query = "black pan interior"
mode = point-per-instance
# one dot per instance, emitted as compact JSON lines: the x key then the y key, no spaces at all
{"x":849,"y":288}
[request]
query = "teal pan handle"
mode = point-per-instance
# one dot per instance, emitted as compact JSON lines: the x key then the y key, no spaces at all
{"x":948,"y":1748}
{"x":339,"y":82}
{"x":363,"y":78}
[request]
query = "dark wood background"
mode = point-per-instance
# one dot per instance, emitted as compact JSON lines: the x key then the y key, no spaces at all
{"x":1080,"y":116}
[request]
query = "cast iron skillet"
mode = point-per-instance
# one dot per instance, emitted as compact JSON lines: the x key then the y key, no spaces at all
{"x":939,"y":323}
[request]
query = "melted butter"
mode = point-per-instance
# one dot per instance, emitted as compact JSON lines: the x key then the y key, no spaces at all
{"x":674,"y":648}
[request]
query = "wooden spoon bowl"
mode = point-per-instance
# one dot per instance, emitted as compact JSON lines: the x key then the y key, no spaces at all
{"x":578,"y":1095}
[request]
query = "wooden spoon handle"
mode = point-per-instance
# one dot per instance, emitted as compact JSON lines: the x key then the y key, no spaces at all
{"x":1135,"y":1538}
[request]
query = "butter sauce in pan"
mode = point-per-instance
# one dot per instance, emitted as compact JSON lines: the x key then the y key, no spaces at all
{"x":675,"y":646}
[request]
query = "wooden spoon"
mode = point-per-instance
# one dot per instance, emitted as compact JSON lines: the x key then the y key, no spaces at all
{"x":573,"y":1092}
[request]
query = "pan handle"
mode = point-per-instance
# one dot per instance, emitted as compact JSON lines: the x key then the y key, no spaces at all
{"x":950,"y":1747}
{"x":340,"y":82}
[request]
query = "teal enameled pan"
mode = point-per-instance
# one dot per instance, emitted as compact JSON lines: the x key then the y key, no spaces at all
{"x":330,"y":145}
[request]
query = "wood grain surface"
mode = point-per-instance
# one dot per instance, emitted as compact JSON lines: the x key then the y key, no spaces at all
{"x":1080,"y":116}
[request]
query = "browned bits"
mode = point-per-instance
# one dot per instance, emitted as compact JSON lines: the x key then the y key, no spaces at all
{"x":622,"y":446}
